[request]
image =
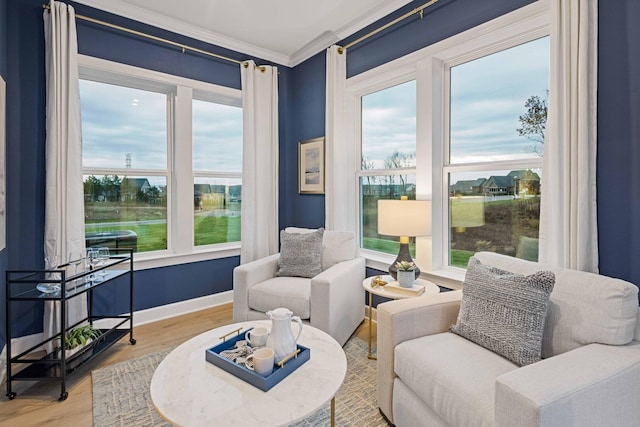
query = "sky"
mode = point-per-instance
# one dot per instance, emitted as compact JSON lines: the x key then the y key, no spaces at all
{"x":117,"y":121}
{"x":487,"y":97}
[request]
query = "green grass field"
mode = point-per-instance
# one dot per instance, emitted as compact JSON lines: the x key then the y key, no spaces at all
{"x":208,"y":230}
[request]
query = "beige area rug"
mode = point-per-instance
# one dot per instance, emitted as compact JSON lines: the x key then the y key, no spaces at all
{"x":121,"y":393}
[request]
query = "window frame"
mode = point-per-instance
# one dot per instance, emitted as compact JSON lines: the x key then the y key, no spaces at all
{"x":430,"y":67}
{"x":179,"y":171}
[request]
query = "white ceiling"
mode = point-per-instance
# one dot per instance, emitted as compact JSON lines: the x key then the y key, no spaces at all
{"x":283,"y":31}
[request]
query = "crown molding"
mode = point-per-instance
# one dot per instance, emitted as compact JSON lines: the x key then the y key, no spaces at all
{"x":119,"y":7}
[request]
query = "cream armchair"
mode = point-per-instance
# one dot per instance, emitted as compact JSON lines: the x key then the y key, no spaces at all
{"x":332,"y":301}
{"x":589,"y":374}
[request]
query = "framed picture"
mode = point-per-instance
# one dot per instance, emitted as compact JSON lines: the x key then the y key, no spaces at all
{"x":311,"y":166}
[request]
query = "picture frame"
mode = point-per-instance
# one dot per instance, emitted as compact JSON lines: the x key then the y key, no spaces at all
{"x":311,"y":166}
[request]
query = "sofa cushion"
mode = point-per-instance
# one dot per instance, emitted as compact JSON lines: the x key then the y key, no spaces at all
{"x":337,"y":246}
{"x":453,"y":376}
{"x":290,"y":292}
{"x":584,"y":308}
{"x":504,"y":311}
{"x":300,"y":254}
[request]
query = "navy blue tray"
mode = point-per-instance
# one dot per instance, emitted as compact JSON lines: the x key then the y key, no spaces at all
{"x":263,"y":383}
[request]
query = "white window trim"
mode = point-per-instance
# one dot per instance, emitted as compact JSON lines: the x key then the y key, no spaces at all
{"x":429,"y":67}
{"x":179,"y":190}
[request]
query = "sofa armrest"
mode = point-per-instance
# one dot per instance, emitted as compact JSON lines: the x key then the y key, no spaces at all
{"x":406,"y":319}
{"x":594,"y":385}
{"x":247,"y":275}
{"x":337,"y":299}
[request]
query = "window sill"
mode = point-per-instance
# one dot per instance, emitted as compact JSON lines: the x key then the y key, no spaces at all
{"x":144,"y":261}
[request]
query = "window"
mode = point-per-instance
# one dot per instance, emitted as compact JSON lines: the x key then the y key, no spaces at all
{"x":497,"y":119}
{"x":162,"y":162}
{"x":217,"y":162}
{"x":124,"y":143}
{"x":388,"y":158}
{"x":460,"y":122}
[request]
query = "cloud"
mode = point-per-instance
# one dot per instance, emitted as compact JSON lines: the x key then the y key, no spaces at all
{"x":117,"y":121}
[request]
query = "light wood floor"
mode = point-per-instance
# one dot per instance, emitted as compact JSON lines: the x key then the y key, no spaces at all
{"x":37,"y":402}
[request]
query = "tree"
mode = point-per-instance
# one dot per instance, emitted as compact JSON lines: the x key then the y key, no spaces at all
{"x":368,"y":165}
{"x":398,"y":161}
{"x":534,"y":121}
{"x":93,"y":188}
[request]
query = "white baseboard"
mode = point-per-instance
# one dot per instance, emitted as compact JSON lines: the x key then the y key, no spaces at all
{"x":20,"y":344}
{"x":168,"y":311}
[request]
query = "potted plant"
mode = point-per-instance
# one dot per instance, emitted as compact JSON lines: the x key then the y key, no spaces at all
{"x":78,"y":338}
{"x":406,"y":273}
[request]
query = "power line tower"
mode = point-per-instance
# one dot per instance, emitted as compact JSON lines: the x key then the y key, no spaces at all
{"x":128,"y":161}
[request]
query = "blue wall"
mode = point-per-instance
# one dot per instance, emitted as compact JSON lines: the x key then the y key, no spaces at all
{"x":3,"y":73}
{"x":619,"y":139}
{"x":26,"y":144}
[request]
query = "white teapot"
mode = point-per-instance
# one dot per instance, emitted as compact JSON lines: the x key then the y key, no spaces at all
{"x":281,"y":338}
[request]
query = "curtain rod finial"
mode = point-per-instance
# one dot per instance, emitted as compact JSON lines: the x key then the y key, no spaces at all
{"x":340,"y":50}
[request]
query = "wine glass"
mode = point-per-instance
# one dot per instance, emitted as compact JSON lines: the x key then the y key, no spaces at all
{"x":75,"y":259}
{"x":91,"y":260}
{"x":103,"y":257}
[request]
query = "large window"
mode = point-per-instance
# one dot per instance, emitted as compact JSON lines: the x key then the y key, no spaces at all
{"x":124,"y":156}
{"x":497,"y":119}
{"x":162,"y":161}
{"x":461,"y":123}
{"x":388,"y":158}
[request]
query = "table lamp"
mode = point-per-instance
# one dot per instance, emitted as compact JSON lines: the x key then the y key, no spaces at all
{"x":404,"y":218}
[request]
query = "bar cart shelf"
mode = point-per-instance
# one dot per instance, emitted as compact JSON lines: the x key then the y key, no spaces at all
{"x":56,"y":365}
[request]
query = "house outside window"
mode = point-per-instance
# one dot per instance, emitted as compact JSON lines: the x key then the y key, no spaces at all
{"x":478,"y":152}
{"x":162,"y":160}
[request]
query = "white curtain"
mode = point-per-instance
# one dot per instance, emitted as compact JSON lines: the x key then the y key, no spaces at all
{"x":64,"y":211}
{"x":259,"y":161}
{"x":336,"y":158}
{"x":568,"y":223}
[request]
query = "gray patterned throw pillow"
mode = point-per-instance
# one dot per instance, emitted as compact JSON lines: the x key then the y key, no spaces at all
{"x":504,"y":311}
{"x":300,"y":254}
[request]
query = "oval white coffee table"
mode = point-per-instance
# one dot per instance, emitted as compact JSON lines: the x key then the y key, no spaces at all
{"x":187,"y":390}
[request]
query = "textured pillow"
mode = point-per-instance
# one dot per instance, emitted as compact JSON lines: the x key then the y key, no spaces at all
{"x":504,"y":311}
{"x":300,"y":254}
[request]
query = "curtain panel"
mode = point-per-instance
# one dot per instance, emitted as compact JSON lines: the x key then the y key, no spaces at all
{"x":64,"y":204}
{"x":568,"y":215}
{"x":259,"y":214}
{"x":336,"y":153}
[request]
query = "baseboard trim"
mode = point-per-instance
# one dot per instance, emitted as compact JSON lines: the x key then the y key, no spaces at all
{"x":141,"y":317}
{"x":168,"y":311}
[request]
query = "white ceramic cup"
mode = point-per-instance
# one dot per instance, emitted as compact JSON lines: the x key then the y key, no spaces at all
{"x":263,"y":359}
{"x":257,"y":337}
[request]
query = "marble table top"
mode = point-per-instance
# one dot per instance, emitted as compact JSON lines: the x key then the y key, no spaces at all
{"x":188,"y":390}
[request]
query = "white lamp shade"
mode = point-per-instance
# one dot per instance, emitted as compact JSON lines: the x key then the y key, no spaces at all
{"x":404,"y":217}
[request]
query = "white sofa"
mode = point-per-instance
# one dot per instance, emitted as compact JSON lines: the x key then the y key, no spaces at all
{"x":332,"y":301}
{"x":589,"y":374}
